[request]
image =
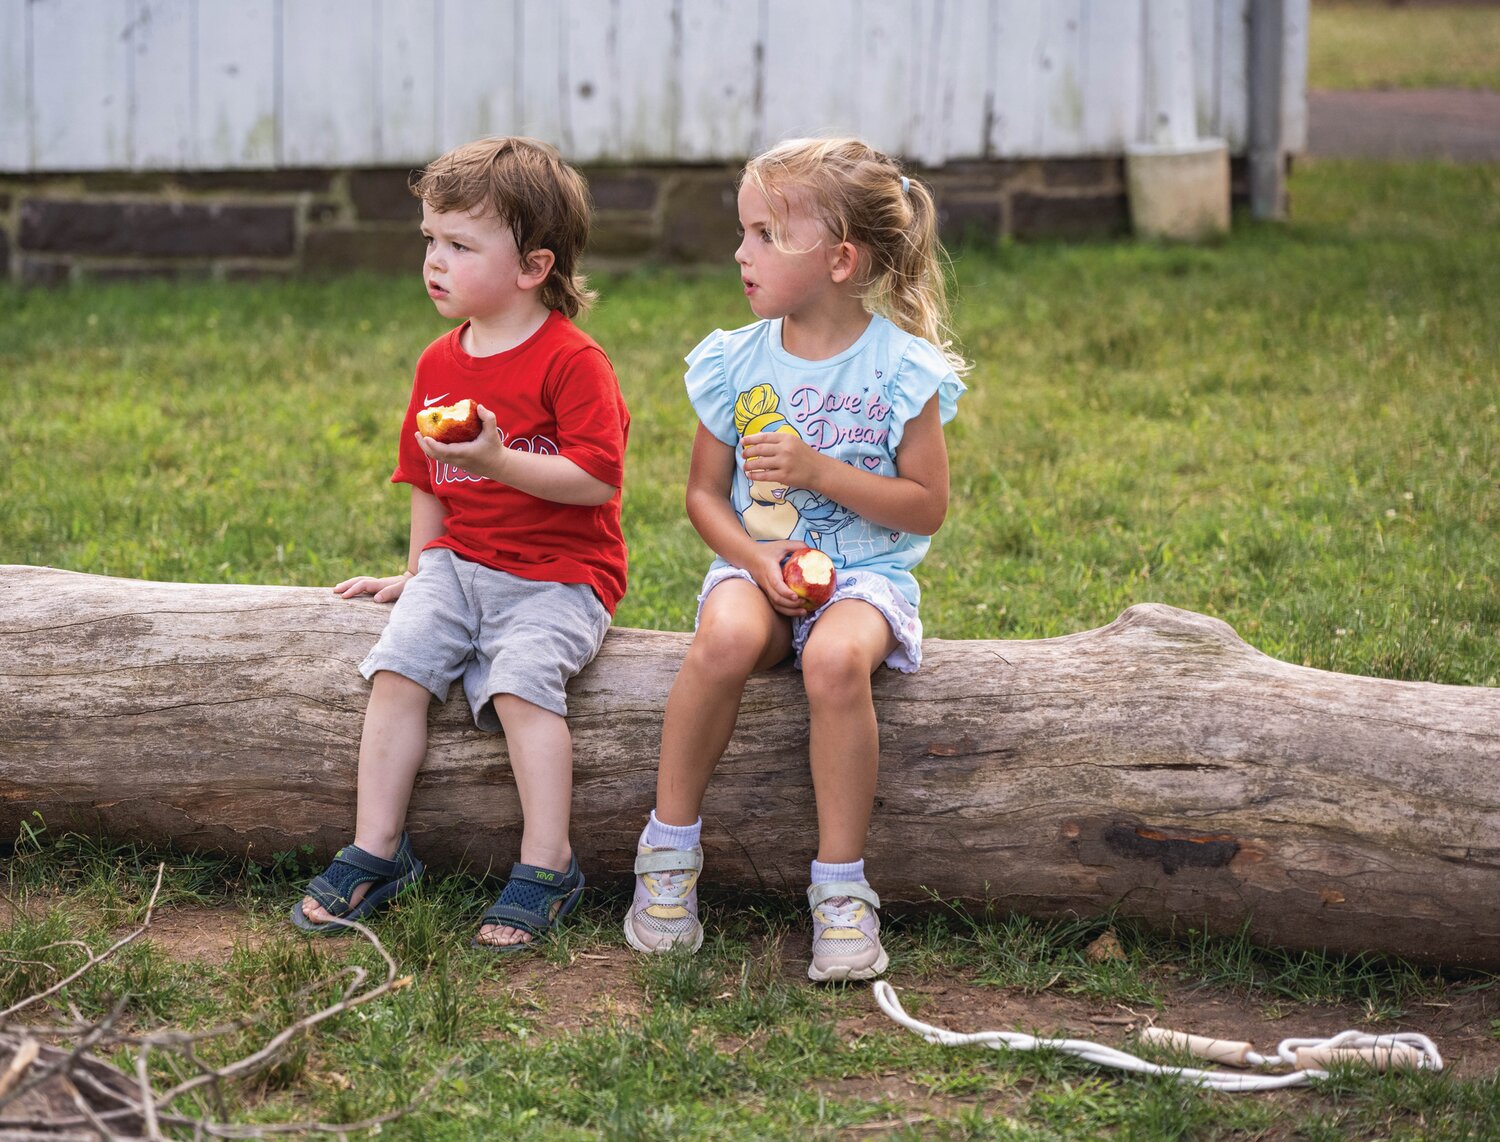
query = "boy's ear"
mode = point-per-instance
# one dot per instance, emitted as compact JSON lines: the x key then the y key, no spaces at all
{"x":535,"y":267}
{"x":843,"y":260}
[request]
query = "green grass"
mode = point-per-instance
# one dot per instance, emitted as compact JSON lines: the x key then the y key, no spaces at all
{"x":1295,"y":431}
{"x":1357,"y":45}
{"x":728,"y":1044}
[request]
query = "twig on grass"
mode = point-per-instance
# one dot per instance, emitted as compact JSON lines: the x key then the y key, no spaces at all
{"x":115,"y":1103}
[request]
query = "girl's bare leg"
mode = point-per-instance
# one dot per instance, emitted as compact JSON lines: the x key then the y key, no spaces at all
{"x":849,"y":641}
{"x":738,"y":634}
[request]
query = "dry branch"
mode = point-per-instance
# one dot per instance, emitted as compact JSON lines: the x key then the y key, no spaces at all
{"x":56,"y":1090}
{"x":1157,"y":767}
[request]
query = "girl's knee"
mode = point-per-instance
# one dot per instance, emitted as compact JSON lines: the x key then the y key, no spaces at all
{"x":835,"y":673}
{"x":726,"y":646}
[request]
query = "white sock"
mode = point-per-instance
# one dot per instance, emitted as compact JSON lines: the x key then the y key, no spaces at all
{"x":684,"y":838}
{"x":828,"y":873}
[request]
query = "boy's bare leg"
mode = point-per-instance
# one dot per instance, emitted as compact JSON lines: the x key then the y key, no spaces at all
{"x":392,"y":747}
{"x":849,"y":641}
{"x":738,"y":634}
{"x":541,"y":757}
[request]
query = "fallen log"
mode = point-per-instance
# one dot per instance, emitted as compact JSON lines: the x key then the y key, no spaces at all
{"x":1158,"y":767}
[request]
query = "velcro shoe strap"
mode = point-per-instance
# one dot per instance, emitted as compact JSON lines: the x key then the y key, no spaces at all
{"x":566,"y":879}
{"x":817,"y":893}
{"x":368,"y":862}
{"x":668,"y":860}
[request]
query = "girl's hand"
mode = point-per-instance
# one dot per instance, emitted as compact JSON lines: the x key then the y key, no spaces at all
{"x":386,"y":590}
{"x":482,"y":456}
{"x":766,"y":567}
{"x":779,"y":458}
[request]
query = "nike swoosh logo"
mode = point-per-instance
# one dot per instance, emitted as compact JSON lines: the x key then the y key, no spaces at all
{"x":433,"y":400}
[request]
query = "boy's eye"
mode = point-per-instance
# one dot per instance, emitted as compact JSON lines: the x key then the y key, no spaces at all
{"x":459,"y":246}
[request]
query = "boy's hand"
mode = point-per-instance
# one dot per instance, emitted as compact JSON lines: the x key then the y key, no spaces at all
{"x":386,"y":590}
{"x":779,"y":458}
{"x":483,"y":456}
{"x":766,"y":567}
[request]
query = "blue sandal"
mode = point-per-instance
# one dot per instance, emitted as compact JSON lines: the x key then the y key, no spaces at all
{"x":351,"y":867}
{"x":533,"y":900}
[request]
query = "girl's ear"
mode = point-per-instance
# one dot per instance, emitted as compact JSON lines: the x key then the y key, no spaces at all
{"x":535,"y":267}
{"x":843,"y":261}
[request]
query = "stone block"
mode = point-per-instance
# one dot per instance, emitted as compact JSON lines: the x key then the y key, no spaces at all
{"x":384,"y":195}
{"x":700,"y":217}
{"x":1082,"y":174}
{"x":1069,"y":216}
{"x":964,"y":220}
{"x":386,"y":249}
{"x":621,"y":234}
{"x":258,"y":182}
{"x":155,"y":229}
{"x":124,"y":182}
{"x":43,"y":272}
{"x":622,"y":190}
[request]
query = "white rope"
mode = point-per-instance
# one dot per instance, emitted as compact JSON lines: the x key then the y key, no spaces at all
{"x":1406,"y":1050}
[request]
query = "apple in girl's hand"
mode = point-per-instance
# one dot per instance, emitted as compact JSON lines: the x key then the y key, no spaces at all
{"x":809,"y":573}
{"x":450,"y":423}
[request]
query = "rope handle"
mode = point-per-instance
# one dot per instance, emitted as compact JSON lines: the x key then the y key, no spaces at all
{"x":1311,"y":1057}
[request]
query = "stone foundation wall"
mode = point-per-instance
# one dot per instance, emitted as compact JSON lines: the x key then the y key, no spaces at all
{"x":251,"y":224}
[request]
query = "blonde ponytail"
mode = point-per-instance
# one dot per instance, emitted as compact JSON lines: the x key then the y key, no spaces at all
{"x":863,"y":198}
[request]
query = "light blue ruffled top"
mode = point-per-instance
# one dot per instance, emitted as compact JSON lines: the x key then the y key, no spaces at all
{"x":853,"y":407}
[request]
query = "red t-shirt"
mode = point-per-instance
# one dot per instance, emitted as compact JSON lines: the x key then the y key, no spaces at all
{"x":555,"y":393}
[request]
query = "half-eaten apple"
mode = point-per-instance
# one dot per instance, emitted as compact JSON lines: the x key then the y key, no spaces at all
{"x":809,"y":573}
{"x":450,"y":423}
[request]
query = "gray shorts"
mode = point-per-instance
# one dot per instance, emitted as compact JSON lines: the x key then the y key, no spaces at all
{"x":498,"y":632}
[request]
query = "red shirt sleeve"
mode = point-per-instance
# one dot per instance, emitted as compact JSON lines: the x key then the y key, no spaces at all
{"x":592,"y":422}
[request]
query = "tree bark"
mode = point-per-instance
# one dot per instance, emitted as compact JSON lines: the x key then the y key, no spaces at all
{"x":1158,"y":767}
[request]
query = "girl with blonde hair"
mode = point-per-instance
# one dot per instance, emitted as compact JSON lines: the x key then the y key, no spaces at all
{"x":836,"y":397}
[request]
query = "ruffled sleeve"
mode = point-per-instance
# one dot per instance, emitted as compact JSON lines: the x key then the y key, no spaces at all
{"x":924,"y":371}
{"x":708,"y":387}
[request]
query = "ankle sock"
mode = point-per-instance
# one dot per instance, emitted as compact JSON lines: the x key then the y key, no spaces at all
{"x":828,"y":873}
{"x":681,"y":837}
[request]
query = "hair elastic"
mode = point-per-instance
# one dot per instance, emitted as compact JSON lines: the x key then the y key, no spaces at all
{"x":905,"y":185}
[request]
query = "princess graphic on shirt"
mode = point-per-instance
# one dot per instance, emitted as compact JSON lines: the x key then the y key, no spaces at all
{"x":770,"y":515}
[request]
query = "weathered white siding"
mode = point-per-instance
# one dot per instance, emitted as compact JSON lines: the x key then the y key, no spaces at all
{"x":223,"y":84}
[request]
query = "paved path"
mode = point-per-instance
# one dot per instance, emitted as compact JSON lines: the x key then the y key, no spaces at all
{"x":1462,"y":126}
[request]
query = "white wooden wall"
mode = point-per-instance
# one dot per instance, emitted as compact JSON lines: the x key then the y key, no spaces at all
{"x":218,"y":84}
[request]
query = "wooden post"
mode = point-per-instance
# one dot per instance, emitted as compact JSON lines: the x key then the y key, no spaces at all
{"x":1267,"y":150}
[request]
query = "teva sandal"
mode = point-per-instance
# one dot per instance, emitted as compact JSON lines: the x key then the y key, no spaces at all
{"x":533,"y":900}
{"x":351,"y":867}
{"x":846,"y":932}
{"x":664,"y":912}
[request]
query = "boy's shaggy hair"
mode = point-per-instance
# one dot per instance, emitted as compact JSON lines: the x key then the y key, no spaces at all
{"x":528,"y":186}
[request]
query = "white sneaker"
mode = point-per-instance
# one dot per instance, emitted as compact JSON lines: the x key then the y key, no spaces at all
{"x":846,"y":932}
{"x":664,"y":912}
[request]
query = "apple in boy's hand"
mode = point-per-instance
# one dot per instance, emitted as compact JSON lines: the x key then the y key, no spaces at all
{"x":450,"y":423}
{"x":809,"y":573}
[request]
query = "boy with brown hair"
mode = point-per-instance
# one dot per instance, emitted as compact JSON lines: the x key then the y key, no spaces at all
{"x":517,"y":560}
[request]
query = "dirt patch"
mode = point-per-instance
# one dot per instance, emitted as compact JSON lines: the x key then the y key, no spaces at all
{"x":593,"y":987}
{"x":201,"y":935}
